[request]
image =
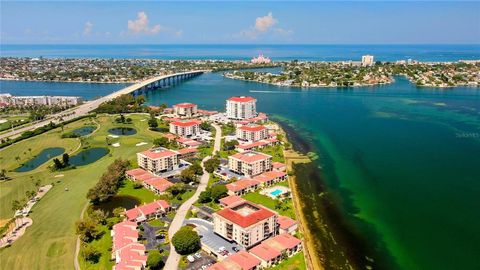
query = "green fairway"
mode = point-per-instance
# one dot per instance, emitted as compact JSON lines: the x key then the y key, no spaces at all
{"x":50,"y":242}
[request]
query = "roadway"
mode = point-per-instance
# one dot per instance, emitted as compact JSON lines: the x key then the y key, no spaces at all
{"x":89,"y":106}
{"x":177,"y":222}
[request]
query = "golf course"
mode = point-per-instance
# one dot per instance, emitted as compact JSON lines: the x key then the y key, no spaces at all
{"x":50,"y":242}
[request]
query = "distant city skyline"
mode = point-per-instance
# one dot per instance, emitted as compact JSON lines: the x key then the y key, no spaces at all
{"x":98,"y":22}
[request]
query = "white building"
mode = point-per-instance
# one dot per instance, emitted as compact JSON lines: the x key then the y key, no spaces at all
{"x":22,"y":101}
{"x":367,"y":60}
{"x":185,"y":128}
{"x":251,"y":133}
{"x":250,"y":163}
{"x":242,"y":107}
{"x":185,"y":109}
{"x":245,"y":223}
{"x":158,"y":160}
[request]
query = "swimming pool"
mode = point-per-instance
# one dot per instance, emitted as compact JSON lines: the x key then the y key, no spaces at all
{"x":276,"y":192}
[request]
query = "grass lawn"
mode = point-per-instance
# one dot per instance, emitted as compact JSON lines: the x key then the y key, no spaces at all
{"x":296,"y":262}
{"x":50,"y":242}
{"x":285,"y":210}
{"x":17,"y":120}
{"x":275,"y":151}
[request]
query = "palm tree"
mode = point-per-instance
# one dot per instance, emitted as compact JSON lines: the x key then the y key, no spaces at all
{"x":17,"y":158}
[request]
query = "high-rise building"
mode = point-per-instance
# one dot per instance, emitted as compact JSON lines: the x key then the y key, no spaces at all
{"x":367,"y":60}
{"x":242,"y":107}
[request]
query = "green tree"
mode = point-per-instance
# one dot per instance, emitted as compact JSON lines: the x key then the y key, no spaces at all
{"x":162,"y":141}
{"x":205,"y":196}
{"x":186,"y":241}
{"x":217,"y":192}
{"x":196,"y":168}
{"x":206,"y":126}
{"x":230,"y":145}
{"x":211,"y":164}
{"x":154,"y":260}
{"x":91,"y":254}
{"x":65,"y":160}
{"x":188,"y":176}
{"x":87,"y":230}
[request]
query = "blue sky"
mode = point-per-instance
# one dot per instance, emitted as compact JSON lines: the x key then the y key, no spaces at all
{"x":214,"y":22}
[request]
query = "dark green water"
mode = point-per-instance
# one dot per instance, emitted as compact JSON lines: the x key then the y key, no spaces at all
{"x":45,"y":155}
{"x":122,"y":131}
{"x":84,"y":130}
{"x":402,"y":163}
{"x":88,"y":156}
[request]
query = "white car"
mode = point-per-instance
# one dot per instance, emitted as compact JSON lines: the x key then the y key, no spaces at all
{"x":198,"y":255}
{"x":190,"y":258}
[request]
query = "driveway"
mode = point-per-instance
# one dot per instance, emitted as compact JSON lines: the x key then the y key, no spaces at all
{"x":149,"y":233}
{"x":177,"y":222}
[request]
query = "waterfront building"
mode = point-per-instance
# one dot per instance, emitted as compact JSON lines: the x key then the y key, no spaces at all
{"x":250,"y":163}
{"x":230,"y":201}
{"x":237,"y":261}
{"x":24,"y":101}
{"x":278,"y":166}
{"x":245,"y":223}
{"x":185,"y":109}
{"x":149,"y":211}
{"x":251,"y":133}
{"x":185,"y":128}
{"x":260,"y":59}
{"x":270,"y":251}
{"x":256,"y":145}
{"x":158,"y":160}
{"x":241,"y":108}
{"x":287,"y":225}
{"x":368,"y":60}
{"x":270,"y":178}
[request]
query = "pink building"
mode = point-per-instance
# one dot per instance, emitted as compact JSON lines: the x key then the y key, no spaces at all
{"x":154,"y":183}
{"x":287,"y":225}
{"x":250,"y":163}
{"x":126,"y":250}
{"x":270,"y":251}
{"x":231,"y":200}
{"x":256,"y":145}
{"x":271,"y":177}
{"x":242,"y":186}
{"x":260,"y":59}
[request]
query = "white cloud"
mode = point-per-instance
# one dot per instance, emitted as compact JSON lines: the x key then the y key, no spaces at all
{"x":87,"y":30}
{"x":140,"y":25}
{"x":263,"y":24}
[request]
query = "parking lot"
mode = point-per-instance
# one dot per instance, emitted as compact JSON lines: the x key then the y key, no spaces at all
{"x":201,"y":263}
{"x":225,"y":173}
{"x":211,"y":241}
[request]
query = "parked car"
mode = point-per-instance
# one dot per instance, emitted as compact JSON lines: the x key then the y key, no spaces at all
{"x":221,"y":249}
{"x":198,"y":255}
{"x":190,"y":258}
{"x":235,"y":249}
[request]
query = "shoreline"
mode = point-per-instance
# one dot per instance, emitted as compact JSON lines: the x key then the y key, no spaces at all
{"x":63,"y":81}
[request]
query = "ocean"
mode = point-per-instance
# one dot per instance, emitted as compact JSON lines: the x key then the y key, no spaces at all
{"x":400,"y":163}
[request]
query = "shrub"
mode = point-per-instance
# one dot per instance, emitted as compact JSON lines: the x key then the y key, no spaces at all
{"x":154,"y":260}
{"x":91,"y":254}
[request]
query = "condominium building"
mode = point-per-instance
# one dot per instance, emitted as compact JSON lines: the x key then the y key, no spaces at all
{"x":185,"y":128}
{"x":250,"y":163}
{"x":158,"y":160}
{"x":245,"y":223}
{"x":145,"y":212}
{"x":242,"y":107}
{"x":128,"y":252}
{"x":367,"y":60}
{"x":271,"y":251}
{"x":251,"y":133}
{"x":23,"y":101}
{"x":185,"y":109}
{"x":237,"y":261}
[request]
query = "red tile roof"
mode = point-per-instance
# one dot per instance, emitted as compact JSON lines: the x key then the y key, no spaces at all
{"x":242,"y":184}
{"x":251,"y":156}
{"x":269,"y":176}
{"x":254,"y":128}
{"x":184,"y":151}
{"x":231,"y":200}
{"x":283,"y":241}
{"x":136,"y":172}
{"x":265,"y":252}
{"x":159,"y":183}
{"x":185,"y":105}
{"x":238,"y":261}
{"x":146,"y":209}
{"x":286,"y":222}
{"x":190,"y":123}
{"x":158,"y":154}
{"x":277,"y":165}
{"x":248,"y":220}
{"x":241,"y":99}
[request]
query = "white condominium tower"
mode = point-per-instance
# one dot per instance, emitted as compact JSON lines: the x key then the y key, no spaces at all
{"x":240,"y":108}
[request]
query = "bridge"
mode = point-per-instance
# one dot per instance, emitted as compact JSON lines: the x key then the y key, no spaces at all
{"x":83,"y":109}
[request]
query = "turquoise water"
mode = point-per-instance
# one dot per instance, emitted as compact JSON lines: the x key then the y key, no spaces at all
{"x":84,"y":130}
{"x":45,"y":155}
{"x":403,"y":162}
{"x":122,"y":131}
{"x":276,"y":192}
{"x":88,"y":156}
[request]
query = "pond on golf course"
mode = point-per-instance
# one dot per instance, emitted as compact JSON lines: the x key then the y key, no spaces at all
{"x":88,"y":156}
{"x":124,"y":201}
{"x":45,"y":155}
{"x":84,"y":130}
{"x":122,"y":131}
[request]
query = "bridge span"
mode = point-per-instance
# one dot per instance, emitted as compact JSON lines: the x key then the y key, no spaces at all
{"x":135,"y":89}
